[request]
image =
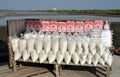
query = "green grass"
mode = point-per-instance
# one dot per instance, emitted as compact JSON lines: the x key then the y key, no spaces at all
{"x":3,"y":33}
{"x":116,"y":34}
{"x":112,"y":12}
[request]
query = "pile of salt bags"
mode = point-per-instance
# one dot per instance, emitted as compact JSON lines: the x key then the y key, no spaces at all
{"x":61,"y":47}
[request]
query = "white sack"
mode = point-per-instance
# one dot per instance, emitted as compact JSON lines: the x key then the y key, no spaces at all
{"x":75,"y":58}
{"x":67,"y":57}
{"x":17,"y":54}
{"x":25,"y":55}
{"x":79,"y":51}
{"x":59,"y":57}
{"x":106,"y":37}
{"x":40,"y":35}
{"x":95,"y":59}
{"x":34,"y":55}
{"x":101,"y":61}
{"x":30,"y":44}
{"x":63,"y":45}
{"x":27,"y":35}
{"x":14,"y":42}
{"x":55,"y":45}
{"x":83,"y":58}
{"x":42,"y":56}
{"x":38,"y":45}
{"x":22,"y":44}
{"x":51,"y":57}
{"x":47,"y":44}
{"x":71,"y":46}
{"x":109,"y":60}
{"x":89,"y":58}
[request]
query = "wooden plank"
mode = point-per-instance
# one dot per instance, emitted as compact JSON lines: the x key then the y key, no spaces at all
{"x":10,"y":73}
{"x":100,"y":71}
{"x":6,"y":70}
{"x":4,"y":67}
{"x":99,"y":74}
{"x":33,"y":72}
{"x":63,"y":63}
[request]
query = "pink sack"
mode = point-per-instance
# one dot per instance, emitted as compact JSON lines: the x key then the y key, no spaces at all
{"x":70,"y":26}
{"x":79,"y":26}
{"x":45,"y":25}
{"x":62,"y":27}
{"x":53,"y":26}
{"x":88,"y":26}
{"x":98,"y":24}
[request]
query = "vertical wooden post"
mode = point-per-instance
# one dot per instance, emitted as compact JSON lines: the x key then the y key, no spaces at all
{"x":14,"y":66}
{"x":10,"y":52}
{"x":107,"y":71}
{"x":57,"y":70}
{"x":60,"y":69}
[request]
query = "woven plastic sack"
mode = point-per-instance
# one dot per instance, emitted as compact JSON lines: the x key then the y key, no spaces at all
{"x":51,"y":57}
{"x":59,"y":57}
{"x":38,"y":45}
{"x":67,"y":57}
{"x":34,"y":55}
{"x":55,"y":45}
{"x":42,"y":56}
{"x":14,"y":42}
{"x":17,"y":54}
{"x":22,"y":44}
{"x":25,"y":55}
{"x":30,"y":44}
{"x":75,"y":58}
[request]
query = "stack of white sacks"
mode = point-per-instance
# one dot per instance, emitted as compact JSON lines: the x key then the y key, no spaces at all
{"x":62,"y":47}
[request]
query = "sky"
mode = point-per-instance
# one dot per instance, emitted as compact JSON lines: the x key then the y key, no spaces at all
{"x":59,"y":4}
